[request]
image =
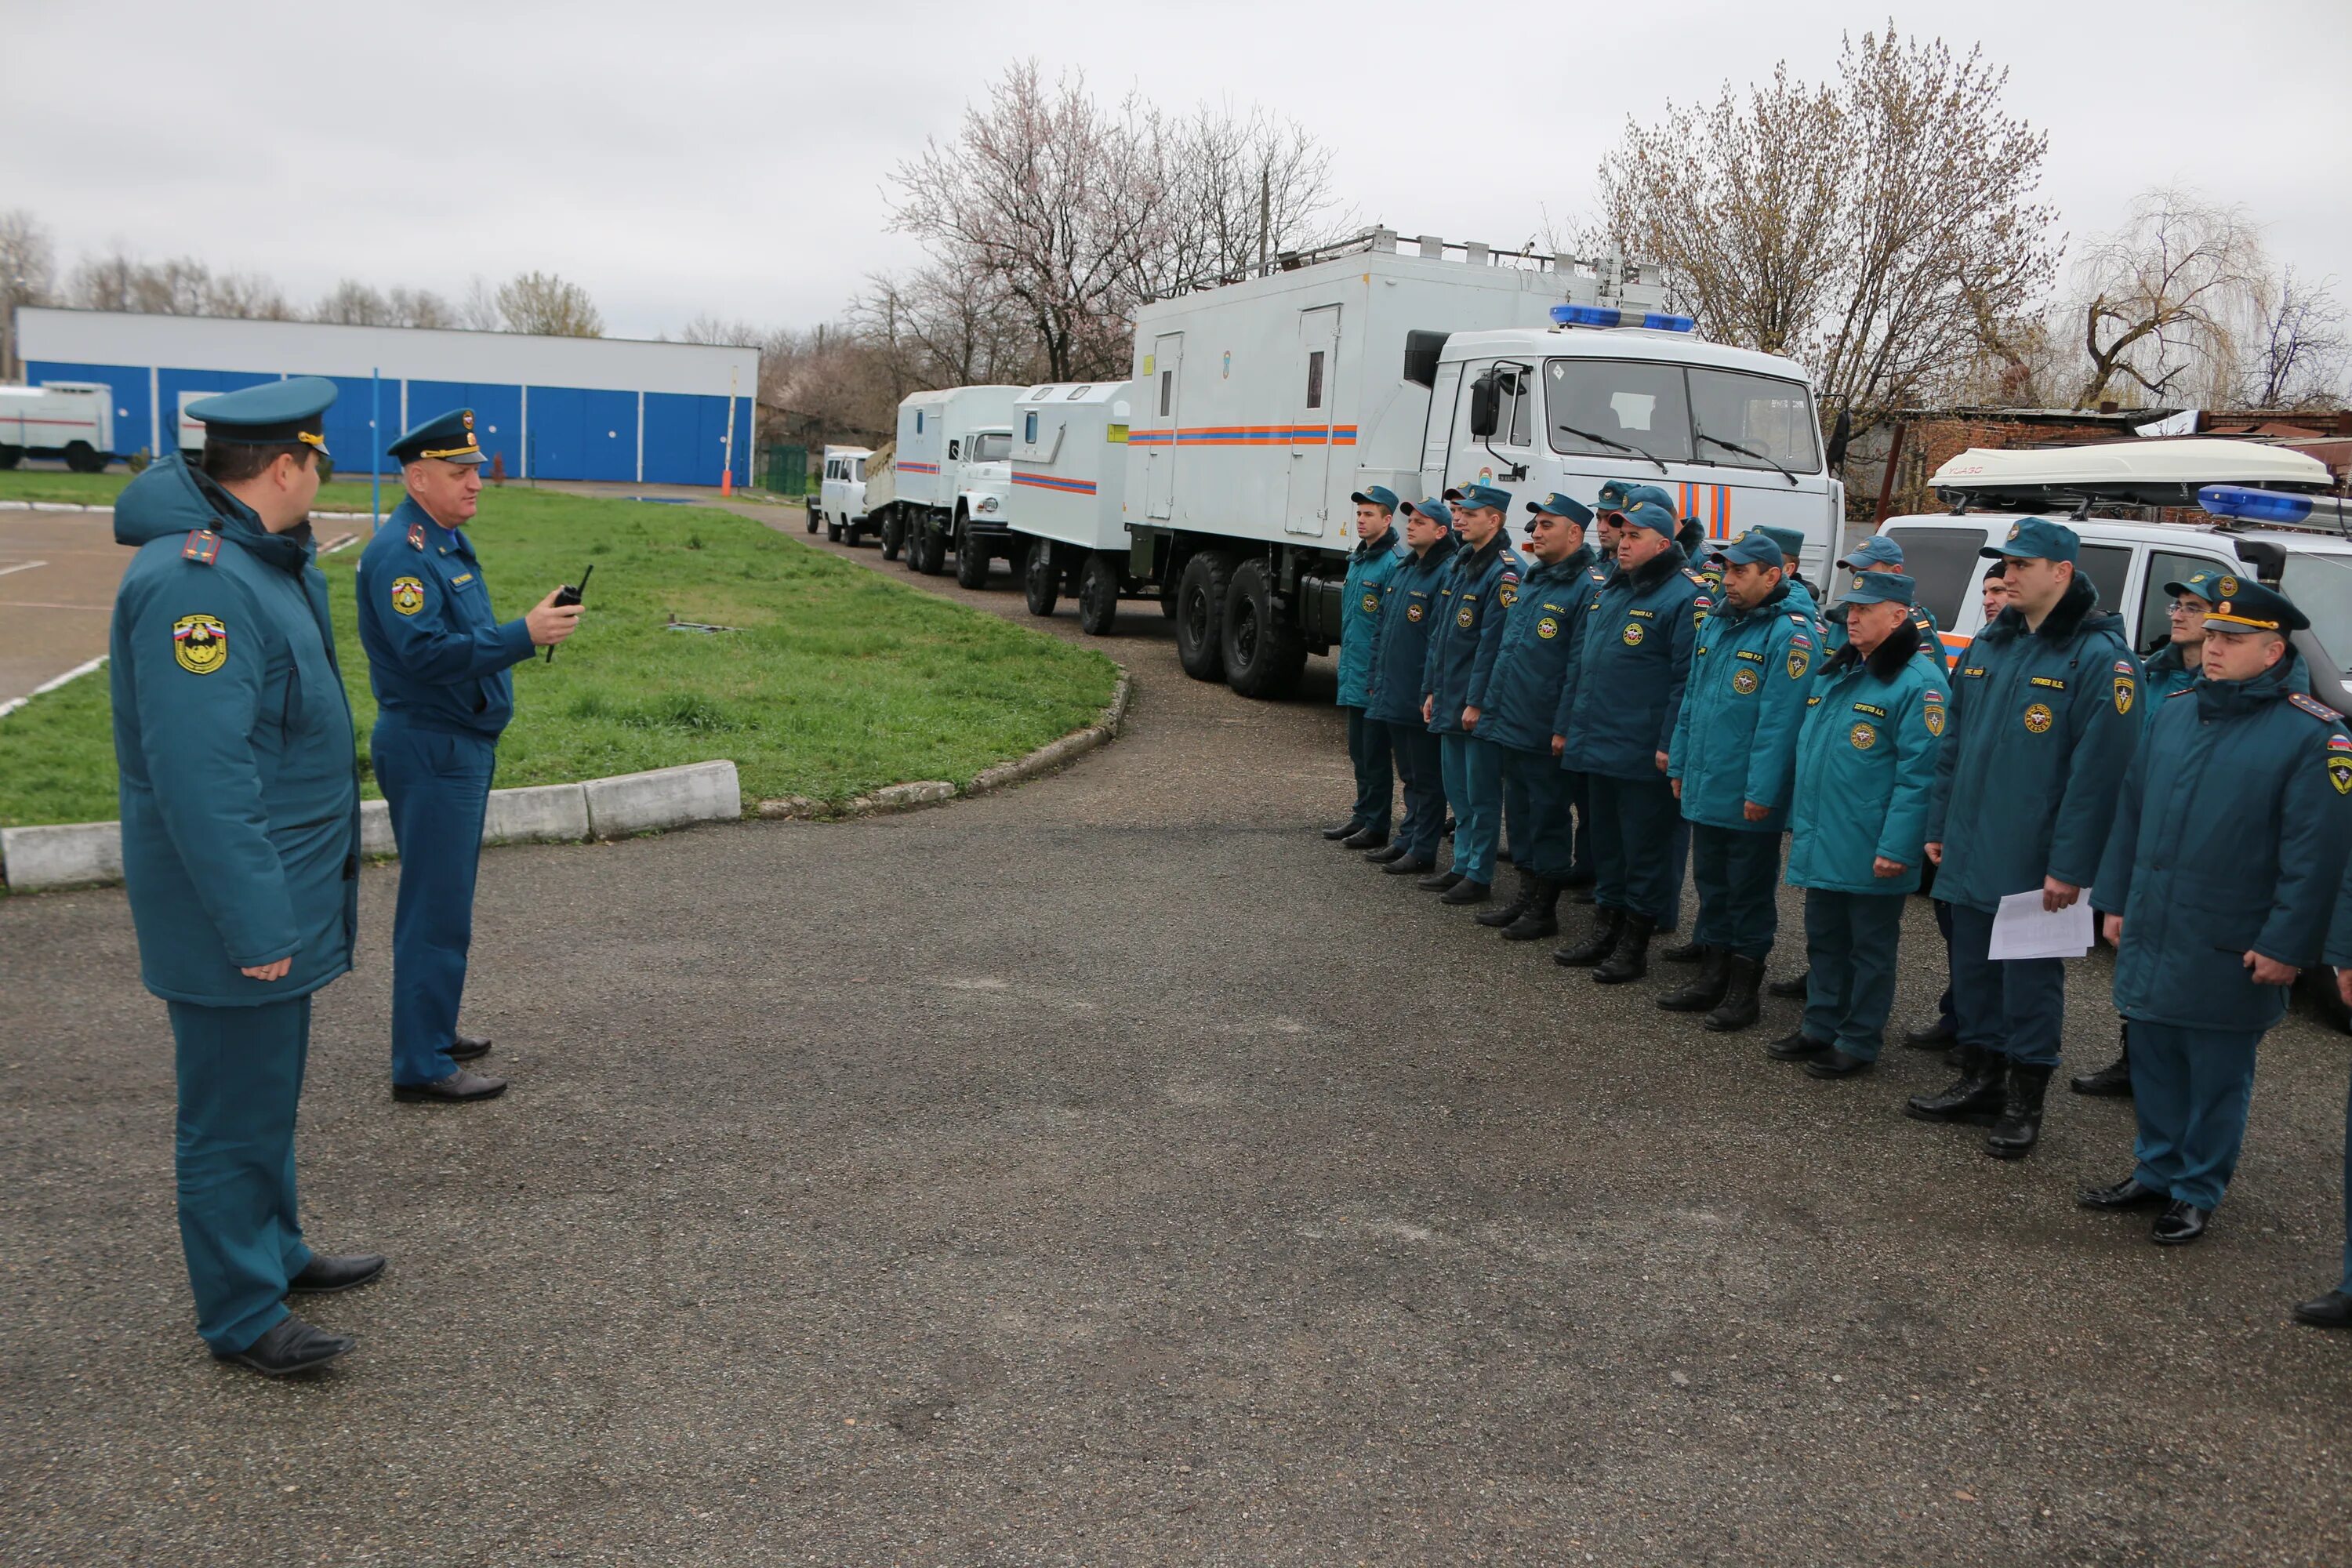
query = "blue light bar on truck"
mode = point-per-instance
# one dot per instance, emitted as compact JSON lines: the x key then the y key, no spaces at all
{"x":1608,"y":316}
{"x":2271,"y":506}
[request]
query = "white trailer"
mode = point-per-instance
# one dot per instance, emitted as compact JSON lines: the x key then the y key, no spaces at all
{"x":1069,"y":493}
{"x":69,"y":420}
{"x":949,"y":467}
{"x":840,"y":500}
{"x":1263,"y":404}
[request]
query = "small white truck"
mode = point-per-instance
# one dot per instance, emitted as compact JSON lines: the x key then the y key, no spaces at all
{"x":839,"y":505}
{"x":1068,"y":496}
{"x":950,"y":467}
{"x":70,"y":420}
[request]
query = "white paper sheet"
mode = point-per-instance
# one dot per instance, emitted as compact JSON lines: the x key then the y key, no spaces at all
{"x":2024,"y":928}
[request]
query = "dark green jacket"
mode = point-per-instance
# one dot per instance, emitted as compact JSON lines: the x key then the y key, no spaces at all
{"x":1520,"y":701}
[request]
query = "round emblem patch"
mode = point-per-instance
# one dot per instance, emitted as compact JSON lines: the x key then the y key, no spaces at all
{"x":1412,"y":612}
{"x":1862,"y":737}
{"x":200,"y":643}
{"x":2037,"y":719}
{"x":407,"y":595}
{"x":1633,"y":635}
{"x":2227,"y":585}
{"x":1371,"y":604}
{"x":1464,"y":617}
{"x":1548,"y":628}
{"x":1743,"y":680}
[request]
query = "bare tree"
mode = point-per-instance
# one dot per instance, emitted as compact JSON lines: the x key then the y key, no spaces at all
{"x":352,"y":303}
{"x":479,"y":311}
{"x":1866,"y":227}
{"x":419,"y":308}
{"x":2300,"y":350}
{"x":2167,"y":296}
{"x":708,"y":329}
{"x":181,"y":286}
{"x":28,"y":276}
{"x":545,"y":304}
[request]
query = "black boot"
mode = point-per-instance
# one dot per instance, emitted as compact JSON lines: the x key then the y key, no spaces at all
{"x":1976,"y":1096}
{"x":1629,"y":959}
{"x":1608,"y":924}
{"x":1739,"y":1008}
{"x":1796,"y":987}
{"x":1703,"y":989}
{"x":1582,"y":895}
{"x":1691,"y":951}
{"x":2113,"y":1080}
{"x":1540,"y":918}
{"x":1504,"y":914}
{"x":1466,"y":891}
{"x":1438,"y":881}
{"x":1938,"y":1036}
{"x":2020,"y":1127}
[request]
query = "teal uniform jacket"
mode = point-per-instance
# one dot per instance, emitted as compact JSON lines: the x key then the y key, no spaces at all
{"x":233,"y":735}
{"x":1370,"y":566}
{"x":2043,"y":725}
{"x":438,"y":658}
{"x":1735,"y":739}
{"x":1923,"y":621}
{"x":1479,"y":586}
{"x":2229,"y":837}
{"x":2166,"y":673}
{"x":1518,"y":703}
{"x":1408,"y":616}
{"x":1865,"y":763}
{"x":1632,"y":659}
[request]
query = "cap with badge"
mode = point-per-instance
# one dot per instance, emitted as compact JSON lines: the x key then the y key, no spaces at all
{"x":1377,"y":495}
{"x":1487,"y":496}
{"x":1435,"y":510}
{"x":2205,"y":585}
{"x":448,"y":436}
{"x":1875,"y":551}
{"x":2036,"y":539}
{"x":1559,"y":505}
{"x":1650,"y":495}
{"x":275,"y":414}
{"x":1753,"y":548}
{"x":1655,"y":518}
{"x":2246,"y":606}
{"x":1791,"y":541}
{"x":1611,"y":496}
{"x":1882,"y":588}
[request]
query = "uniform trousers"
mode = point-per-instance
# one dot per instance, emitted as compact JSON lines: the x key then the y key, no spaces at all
{"x":2012,"y":1005}
{"x":1850,"y":941}
{"x":1367,"y":750}
{"x":1580,"y":797}
{"x":2190,"y":1089}
{"x":1946,"y":1015}
{"x":240,"y":1079}
{"x":1536,"y":799}
{"x":1417,"y":764}
{"x":2347,"y":1284}
{"x":1736,"y":874}
{"x":1637,"y":846}
{"x":438,"y":787}
{"x":1473,"y":786}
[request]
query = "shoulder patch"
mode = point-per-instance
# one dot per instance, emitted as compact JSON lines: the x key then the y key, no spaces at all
{"x":416,"y":536}
{"x":1693,"y":575}
{"x":203,"y":547}
{"x":2317,"y":710}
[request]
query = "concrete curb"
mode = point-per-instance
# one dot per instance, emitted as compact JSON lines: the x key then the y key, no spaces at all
{"x":89,"y":854}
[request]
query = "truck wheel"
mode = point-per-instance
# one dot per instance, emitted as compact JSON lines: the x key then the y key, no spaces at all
{"x":82,"y":458}
{"x":1265,"y":650}
{"x":833,"y":532}
{"x":815,"y":516}
{"x":971,"y":559}
{"x":1041,"y":579}
{"x":918,"y":530}
{"x":894,"y":534}
{"x":935,"y":550}
{"x":11,"y":456}
{"x":1098,"y":595}
{"x":1201,"y":614}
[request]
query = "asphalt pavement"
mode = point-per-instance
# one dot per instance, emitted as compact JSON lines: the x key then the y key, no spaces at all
{"x":1111,"y":1171}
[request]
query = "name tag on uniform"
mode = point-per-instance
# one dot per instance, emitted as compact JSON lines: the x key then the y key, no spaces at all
{"x":1645,"y":614}
{"x":2051,"y":681}
{"x":461,"y":581}
{"x":1974,"y":674}
{"x":1750,"y":655}
{"x":1866,"y":708}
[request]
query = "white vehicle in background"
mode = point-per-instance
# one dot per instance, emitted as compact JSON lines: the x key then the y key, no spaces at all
{"x":2267,"y":513}
{"x":840,"y":501}
{"x":1069,"y":490}
{"x":949,"y":457}
{"x":72,"y":421}
{"x":980,"y":530}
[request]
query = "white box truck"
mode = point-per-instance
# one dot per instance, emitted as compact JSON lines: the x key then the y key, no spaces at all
{"x":949,"y":468}
{"x":70,"y":420}
{"x":1069,"y":490}
{"x":839,"y":504}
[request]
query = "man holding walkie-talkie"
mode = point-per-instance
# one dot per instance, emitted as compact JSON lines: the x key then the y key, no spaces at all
{"x":438,"y":661}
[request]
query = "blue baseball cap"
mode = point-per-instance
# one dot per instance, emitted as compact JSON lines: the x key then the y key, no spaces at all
{"x":2254,"y":608}
{"x":1613,"y":496}
{"x":1791,"y":541}
{"x":1641,"y":495}
{"x":1435,"y":510}
{"x":1876,"y":551}
{"x":1882,"y":588}
{"x":1487,"y":496}
{"x":1655,"y":518}
{"x":1559,"y":505}
{"x":274,"y":413}
{"x":2037,"y":539}
{"x":1753,"y":548}
{"x":1378,"y":495}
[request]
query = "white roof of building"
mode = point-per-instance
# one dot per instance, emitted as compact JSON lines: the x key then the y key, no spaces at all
{"x":2189,"y":463}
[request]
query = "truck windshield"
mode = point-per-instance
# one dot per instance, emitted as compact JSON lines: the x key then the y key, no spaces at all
{"x":2321,"y":587}
{"x":993,"y":447}
{"x":1728,"y":418}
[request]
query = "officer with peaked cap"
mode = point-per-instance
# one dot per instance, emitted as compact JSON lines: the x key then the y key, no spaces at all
{"x":439,"y":661}
{"x":240,"y":840}
{"x":1392,"y":691}
{"x":1371,"y":564}
{"x":1482,"y":583}
{"x":1879,"y":553}
{"x":2219,"y":877}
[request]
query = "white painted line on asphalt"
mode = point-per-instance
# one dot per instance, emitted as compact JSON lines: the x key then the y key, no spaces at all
{"x":76,"y":673}
{"x":21,"y":566}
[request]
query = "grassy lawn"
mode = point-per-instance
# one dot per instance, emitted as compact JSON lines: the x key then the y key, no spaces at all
{"x":345,"y":494}
{"x":839,"y":681}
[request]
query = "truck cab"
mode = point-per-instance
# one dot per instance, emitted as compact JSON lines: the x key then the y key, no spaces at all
{"x":980,"y":530}
{"x":952,"y":453}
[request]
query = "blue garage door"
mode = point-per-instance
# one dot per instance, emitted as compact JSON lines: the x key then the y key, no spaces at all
{"x":170,"y":383}
{"x":685,"y":438}
{"x":577,"y":433}
{"x":354,"y":436}
{"x":498,"y":416}
{"x":132,"y":428}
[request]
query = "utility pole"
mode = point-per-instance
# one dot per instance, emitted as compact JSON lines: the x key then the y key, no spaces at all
{"x":1265,"y":216}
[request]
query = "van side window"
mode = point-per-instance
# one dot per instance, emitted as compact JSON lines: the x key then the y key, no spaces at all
{"x":1315,"y":379}
{"x":919,"y":421}
{"x":1942,"y":560}
{"x":2155,"y":605}
{"x":2108,"y":567}
{"x":955,"y":450}
{"x":1167,"y":387}
{"x":1029,"y":427}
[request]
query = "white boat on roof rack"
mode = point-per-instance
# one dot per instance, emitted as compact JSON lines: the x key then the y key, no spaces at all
{"x":2140,"y":472}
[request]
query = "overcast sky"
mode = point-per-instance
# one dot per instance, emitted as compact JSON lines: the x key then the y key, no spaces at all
{"x":694,"y":157}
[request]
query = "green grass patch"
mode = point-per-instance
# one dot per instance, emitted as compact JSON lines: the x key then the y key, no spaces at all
{"x":839,"y":681}
{"x":345,"y":494}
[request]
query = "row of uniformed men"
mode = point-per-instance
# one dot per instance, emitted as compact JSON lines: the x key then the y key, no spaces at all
{"x":1623,"y":709}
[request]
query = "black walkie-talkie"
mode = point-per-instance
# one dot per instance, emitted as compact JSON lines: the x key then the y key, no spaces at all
{"x":568,"y":594}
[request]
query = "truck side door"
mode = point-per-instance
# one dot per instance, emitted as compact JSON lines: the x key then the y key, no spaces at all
{"x":1313,"y":385}
{"x":1163,"y":376}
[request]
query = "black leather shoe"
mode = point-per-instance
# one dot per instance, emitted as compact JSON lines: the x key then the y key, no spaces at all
{"x":1796,"y":987}
{"x":2333,"y":1311}
{"x":1409,"y":865}
{"x":1704,"y":990}
{"x":2110,"y":1082}
{"x":1835,"y":1063}
{"x":1502,"y":915}
{"x":1438,"y":881}
{"x":1629,"y":959}
{"x":1382,"y":857}
{"x":468,"y":1048}
{"x":289,"y":1347}
{"x":1340,"y":830}
{"x":326,"y":1273}
{"x":2019,"y":1126}
{"x":1466,"y":891}
{"x":2179,"y":1225}
{"x":1739,"y":1009}
{"x":1365,"y":839}
{"x":457,"y":1088}
{"x":1691,"y":951}
{"x":2129,"y":1194}
{"x":1797,"y":1047}
{"x":1975,"y":1096}
{"x":1938,"y":1036}
{"x":1540,"y":918}
{"x":1607,"y":927}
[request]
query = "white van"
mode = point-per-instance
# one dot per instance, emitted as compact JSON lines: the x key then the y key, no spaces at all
{"x":840,"y":501}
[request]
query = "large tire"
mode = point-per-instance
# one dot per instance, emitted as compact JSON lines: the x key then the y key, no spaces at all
{"x":1099,"y":594}
{"x":935,"y":549}
{"x":1041,"y":579}
{"x":1201,"y":614}
{"x":1265,"y":650}
{"x":919,"y":534}
{"x":833,"y":532}
{"x":815,"y":516}
{"x":894,"y":536}
{"x":971,"y":558}
{"x":11,"y":456}
{"x":82,"y":458}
